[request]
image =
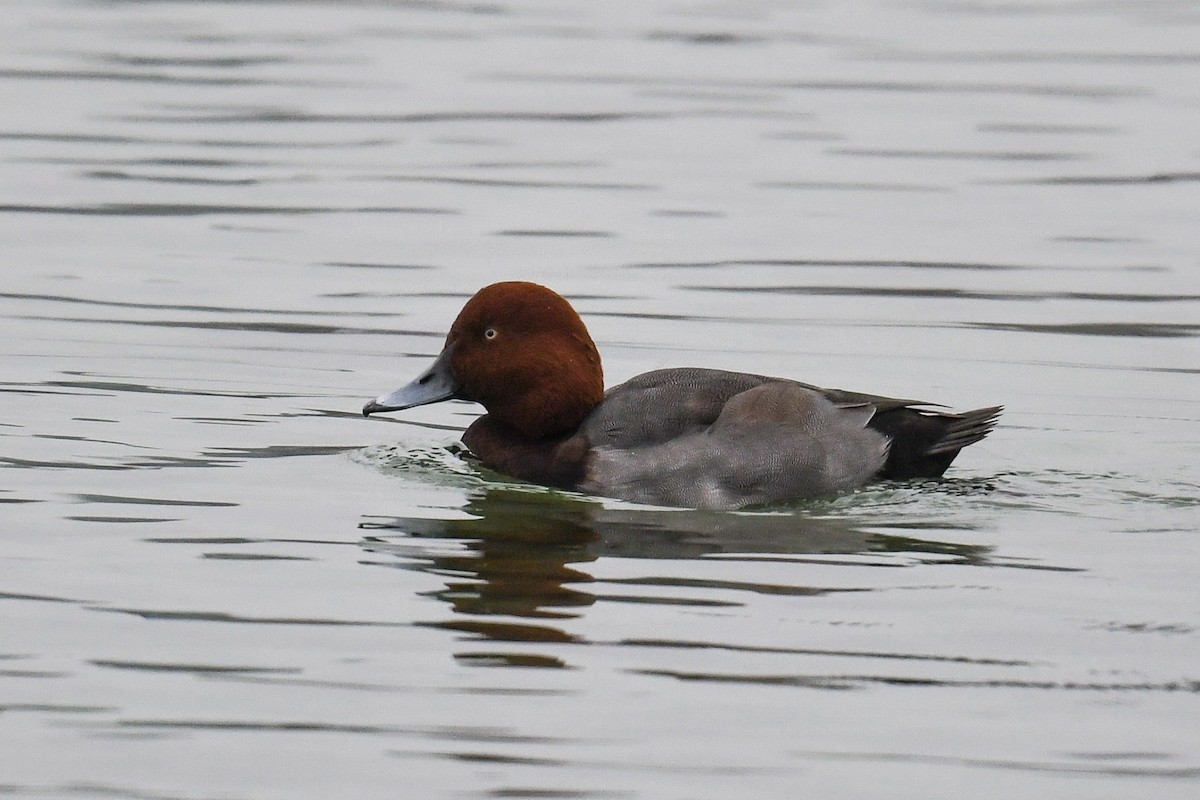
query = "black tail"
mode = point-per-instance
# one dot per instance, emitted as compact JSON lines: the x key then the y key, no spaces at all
{"x":925,"y":442}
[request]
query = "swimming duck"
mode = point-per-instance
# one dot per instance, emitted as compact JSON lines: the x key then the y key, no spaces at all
{"x":692,"y":437}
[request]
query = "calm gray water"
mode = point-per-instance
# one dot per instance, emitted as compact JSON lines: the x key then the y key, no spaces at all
{"x":226,"y":226}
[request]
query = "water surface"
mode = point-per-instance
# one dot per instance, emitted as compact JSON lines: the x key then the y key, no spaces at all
{"x":226,"y":226}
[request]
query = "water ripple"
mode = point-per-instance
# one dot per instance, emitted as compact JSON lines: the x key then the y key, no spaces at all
{"x":198,"y":209}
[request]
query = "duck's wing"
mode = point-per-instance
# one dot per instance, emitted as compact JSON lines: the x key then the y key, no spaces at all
{"x":658,"y":406}
{"x":841,"y":397}
{"x":775,"y":442}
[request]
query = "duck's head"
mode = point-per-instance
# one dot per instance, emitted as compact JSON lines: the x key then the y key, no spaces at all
{"x":521,"y":351}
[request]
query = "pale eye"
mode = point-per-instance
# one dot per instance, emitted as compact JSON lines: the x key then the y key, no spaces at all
{"x":490,"y":333}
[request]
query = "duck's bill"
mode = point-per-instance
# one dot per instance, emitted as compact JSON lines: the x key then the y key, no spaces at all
{"x":436,"y":383}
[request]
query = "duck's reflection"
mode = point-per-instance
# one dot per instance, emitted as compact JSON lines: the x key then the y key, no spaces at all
{"x":522,"y":554}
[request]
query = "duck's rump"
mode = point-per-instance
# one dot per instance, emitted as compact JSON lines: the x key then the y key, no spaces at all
{"x":664,"y":406}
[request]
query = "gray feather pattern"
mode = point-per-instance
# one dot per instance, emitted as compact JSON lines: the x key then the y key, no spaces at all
{"x":715,"y":439}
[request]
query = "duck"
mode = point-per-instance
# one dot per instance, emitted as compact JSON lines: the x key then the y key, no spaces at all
{"x":684,"y":437}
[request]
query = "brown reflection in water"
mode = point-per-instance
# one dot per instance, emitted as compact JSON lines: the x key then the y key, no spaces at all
{"x":521,"y":554}
{"x":512,"y":559}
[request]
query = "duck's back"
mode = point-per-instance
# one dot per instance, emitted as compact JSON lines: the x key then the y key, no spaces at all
{"x":662,"y":405}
